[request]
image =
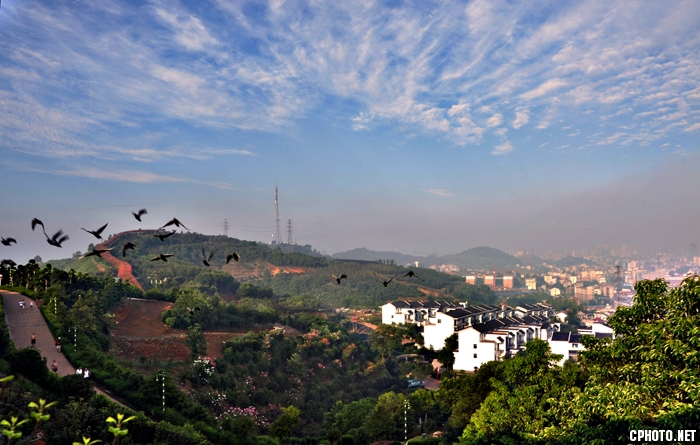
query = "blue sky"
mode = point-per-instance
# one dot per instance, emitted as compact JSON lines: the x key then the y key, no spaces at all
{"x":424,"y":127}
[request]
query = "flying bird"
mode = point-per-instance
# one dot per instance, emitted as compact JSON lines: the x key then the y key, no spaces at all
{"x":162,"y":236}
{"x":206,"y":259}
{"x":384,"y":282}
{"x":57,"y":239}
{"x":8,"y":241}
{"x":176,"y":223}
{"x":96,"y":252}
{"x":410,"y":273}
{"x":37,"y":222}
{"x":163,"y":257}
{"x":232,"y":256}
{"x":337,"y":279}
{"x":193,"y":310}
{"x":127,"y":246}
{"x":96,"y":233}
{"x":138,"y":214}
{"x":6,"y":263}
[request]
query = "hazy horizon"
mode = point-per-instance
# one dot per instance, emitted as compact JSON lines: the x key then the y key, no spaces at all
{"x":426,"y":128}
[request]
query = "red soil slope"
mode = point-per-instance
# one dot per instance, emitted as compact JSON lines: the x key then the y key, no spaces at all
{"x":124,"y":271}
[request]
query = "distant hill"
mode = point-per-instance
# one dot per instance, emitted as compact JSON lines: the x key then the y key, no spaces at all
{"x":364,"y":254}
{"x":477,"y":258}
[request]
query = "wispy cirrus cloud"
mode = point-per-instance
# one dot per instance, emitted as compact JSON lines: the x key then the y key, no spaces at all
{"x":693,"y":127}
{"x":133,"y":176}
{"x":443,"y":193}
{"x":230,"y":66}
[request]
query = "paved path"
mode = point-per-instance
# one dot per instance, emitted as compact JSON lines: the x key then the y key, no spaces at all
{"x":23,"y":323}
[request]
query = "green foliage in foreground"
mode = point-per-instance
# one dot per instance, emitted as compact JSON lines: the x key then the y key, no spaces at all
{"x":647,"y":378}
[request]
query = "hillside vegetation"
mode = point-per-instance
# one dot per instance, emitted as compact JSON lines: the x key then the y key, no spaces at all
{"x":305,"y":281}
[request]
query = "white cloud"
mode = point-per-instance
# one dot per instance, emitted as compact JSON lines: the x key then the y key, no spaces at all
{"x":495,"y":120}
{"x":544,"y":89}
{"x":419,"y":67}
{"x":189,"y":30}
{"x":692,"y":127}
{"x":439,"y":192}
{"x":521,"y":119}
{"x":502,"y":149}
{"x":362,"y":121}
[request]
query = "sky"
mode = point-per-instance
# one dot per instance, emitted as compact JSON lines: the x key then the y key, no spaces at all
{"x":425,"y":127}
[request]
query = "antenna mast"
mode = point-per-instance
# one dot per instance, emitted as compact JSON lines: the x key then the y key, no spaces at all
{"x":278,"y":234}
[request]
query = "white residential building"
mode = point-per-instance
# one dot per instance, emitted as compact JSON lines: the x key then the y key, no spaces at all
{"x":484,"y":332}
{"x":569,"y":345}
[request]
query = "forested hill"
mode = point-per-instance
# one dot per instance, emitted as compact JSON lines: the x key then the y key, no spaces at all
{"x":477,"y":258}
{"x":264,"y":270}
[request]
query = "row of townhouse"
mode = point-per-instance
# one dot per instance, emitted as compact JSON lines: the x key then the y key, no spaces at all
{"x":484,"y":332}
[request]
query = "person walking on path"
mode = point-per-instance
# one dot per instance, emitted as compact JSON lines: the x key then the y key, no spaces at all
{"x":33,"y":340}
{"x":31,"y":305}
{"x":54,"y":366}
{"x":58,"y":344}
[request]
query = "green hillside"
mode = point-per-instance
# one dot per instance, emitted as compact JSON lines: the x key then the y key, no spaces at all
{"x":302,"y":280}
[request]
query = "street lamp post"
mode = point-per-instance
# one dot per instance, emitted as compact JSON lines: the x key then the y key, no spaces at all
{"x":406,"y":406}
{"x":161,"y":377}
{"x":75,"y":336}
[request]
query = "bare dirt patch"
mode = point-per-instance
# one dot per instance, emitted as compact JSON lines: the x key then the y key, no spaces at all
{"x":297,"y":270}
{"x":140,"y":333}
{"x":142,"y":318}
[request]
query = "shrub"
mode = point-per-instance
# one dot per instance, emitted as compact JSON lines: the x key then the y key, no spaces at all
{"x":178,"y":435}
{"x":29,"y":363}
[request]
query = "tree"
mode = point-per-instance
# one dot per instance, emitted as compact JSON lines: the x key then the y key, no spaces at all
{"x":649,"y":373}
{"x":518,"y":406}
{"x":285,"y":424}
{"x":196,"y":340}
{"x":386,"y":338}
{"x":446,"y":356}
{"x":386,"y":418}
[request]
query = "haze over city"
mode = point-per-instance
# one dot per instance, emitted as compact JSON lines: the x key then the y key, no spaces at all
{"x":424,"y":128}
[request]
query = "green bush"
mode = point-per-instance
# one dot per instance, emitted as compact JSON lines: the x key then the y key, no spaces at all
{"x":76,"y":386}
{"x":347,"y":439}
{"x":171,"y":434}
{"x":29,"y":363}
{"x":267,"y":440}
{"x":428,"y":441}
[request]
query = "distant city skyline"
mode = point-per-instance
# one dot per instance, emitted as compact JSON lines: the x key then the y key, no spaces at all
{"x":427,"y":128}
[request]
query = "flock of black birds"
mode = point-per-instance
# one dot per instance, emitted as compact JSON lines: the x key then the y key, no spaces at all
{"x":58,"y":238}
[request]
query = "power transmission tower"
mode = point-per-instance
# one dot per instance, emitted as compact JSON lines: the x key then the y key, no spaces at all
{"x":224,"y":226}
{"x":289,"y":236}
{"x":278,"y":234}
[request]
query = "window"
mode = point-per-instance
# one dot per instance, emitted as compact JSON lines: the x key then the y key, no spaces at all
{"x":575,"y":345}
{"x":439,"y":320}
{"x":392,"y":316}
{"x":474,"y":355}
{"x":474,"y":345}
